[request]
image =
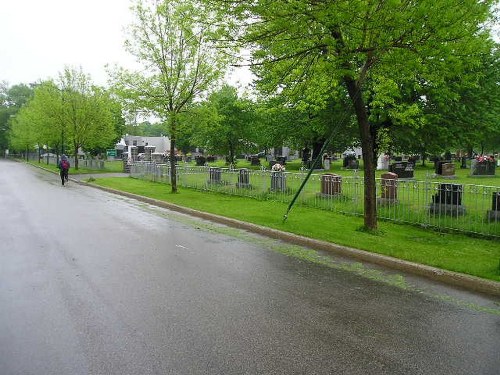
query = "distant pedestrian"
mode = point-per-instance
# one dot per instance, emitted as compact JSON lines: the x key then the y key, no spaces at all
{"x":63,"y":168}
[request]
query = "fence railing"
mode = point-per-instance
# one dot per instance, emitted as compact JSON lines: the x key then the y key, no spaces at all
{"x":82,"y":163}
{"x":466,"y":208}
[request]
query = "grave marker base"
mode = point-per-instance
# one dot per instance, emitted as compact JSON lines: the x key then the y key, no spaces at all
{"x":446,"y":209}
{"x":386,"y":201}
{"x":493,"y":215}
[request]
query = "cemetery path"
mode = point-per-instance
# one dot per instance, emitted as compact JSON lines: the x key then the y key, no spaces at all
{"x":94,"y":283}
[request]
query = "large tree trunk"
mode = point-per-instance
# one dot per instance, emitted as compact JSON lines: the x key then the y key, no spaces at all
{"x":367,"y":144}
{"x":173,"y":160}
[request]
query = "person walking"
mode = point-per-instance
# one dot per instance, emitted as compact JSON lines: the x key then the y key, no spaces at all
{"x":63,"y":168}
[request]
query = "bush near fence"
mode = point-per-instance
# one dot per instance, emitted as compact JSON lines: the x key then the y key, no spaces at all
{"x":414,"y":203}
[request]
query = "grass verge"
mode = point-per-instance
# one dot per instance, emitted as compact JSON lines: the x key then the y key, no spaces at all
{"x":449,"y":251}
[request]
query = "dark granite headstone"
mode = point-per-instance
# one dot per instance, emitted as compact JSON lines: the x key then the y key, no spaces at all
{"x":403,"y":169}
{"x":243,"y":179}
{"x":278,"y":181}
{"x":214,"y":174}
{"x":448,"y":200}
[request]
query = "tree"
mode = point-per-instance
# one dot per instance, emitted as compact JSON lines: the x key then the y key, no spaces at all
{"x":11,"y":100}
{"x":304,"y":49}
{"x":226,"y":124}
{"x":70,"y":111}
{"x":88,"y":112}
{"x":174,"y":41}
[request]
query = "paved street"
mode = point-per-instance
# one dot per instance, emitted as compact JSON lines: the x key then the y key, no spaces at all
{"x":93,"y":283}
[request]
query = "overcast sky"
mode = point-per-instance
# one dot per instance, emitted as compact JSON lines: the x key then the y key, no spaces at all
{"x":38,"y":38}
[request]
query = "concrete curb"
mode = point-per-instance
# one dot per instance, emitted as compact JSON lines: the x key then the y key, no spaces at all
{"x":448,"y":277}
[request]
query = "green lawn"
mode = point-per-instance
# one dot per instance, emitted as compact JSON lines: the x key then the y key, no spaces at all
{"x":454,"y":252}
{"x":109,"y":166}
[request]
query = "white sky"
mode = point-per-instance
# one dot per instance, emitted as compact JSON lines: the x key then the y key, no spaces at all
{"x":38,"y":38}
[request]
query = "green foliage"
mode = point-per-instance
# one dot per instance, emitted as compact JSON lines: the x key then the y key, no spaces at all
{"x":174,"y":42}
{"x":224,"y":124}
{"x":382,"y":52}
{"x":71,"y":112}
{"x":11,"y":100}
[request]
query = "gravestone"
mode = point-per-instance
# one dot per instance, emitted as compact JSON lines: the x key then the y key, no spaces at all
{"x":448,"y":169}
{"x":383,"y":162}
{"x":200,"y":160}
{"x":331,"y":184}
{"x":389,"y":188}
{"x":448,"y":200}
{"x":254,"y":160}
{"x":350,"y":162}
{"x":214,"y":174}
{"x":326,"y":163}
{"x":403,"y":169}
{"x":243,"y":179}
{"x":484,"y":168}
{"x":494,"y":213}
{"x":278,"y":181}
{"x":463,"y":162}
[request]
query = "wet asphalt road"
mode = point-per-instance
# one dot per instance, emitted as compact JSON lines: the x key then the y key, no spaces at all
{"x":92,"y":283}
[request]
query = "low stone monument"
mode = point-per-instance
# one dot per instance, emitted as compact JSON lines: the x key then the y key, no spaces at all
{"x":448,"y":170}
{"x":448,"y":200}
{"x":200,"y":160}
{"x":254,"y":160}
{"x":483,"y":166}
{"x":331,"y":185}
{"x":403,"y":169}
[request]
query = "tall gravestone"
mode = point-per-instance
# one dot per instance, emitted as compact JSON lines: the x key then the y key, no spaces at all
{"x":243,"y":179}
{"x":278,"y":181}
{"x":214,"y":175}
{"x":389,"y":188}
{"x":494,"y":213}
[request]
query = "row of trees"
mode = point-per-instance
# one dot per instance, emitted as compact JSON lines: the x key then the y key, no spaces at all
{"x":406,"y":76}
{"x":66,"y":115}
